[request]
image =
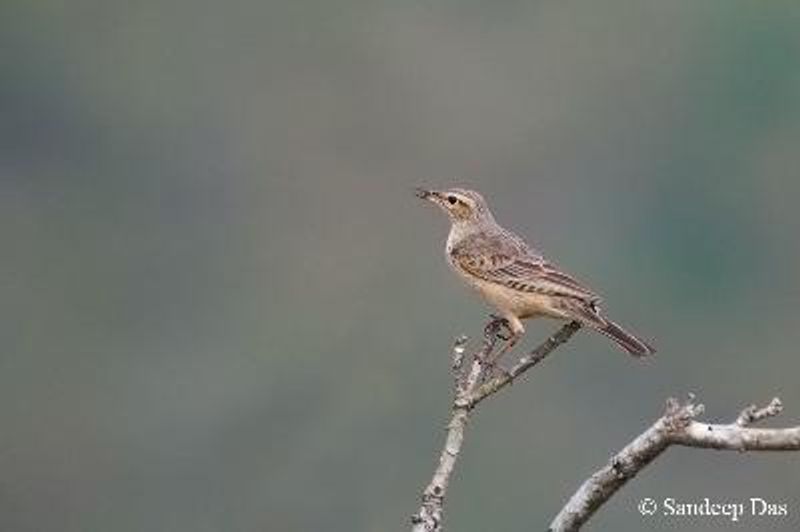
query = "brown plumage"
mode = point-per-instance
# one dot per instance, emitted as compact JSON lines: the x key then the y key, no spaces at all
{"x":514,"y":277}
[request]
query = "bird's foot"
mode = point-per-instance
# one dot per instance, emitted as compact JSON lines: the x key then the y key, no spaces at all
{"x":499,"y":327}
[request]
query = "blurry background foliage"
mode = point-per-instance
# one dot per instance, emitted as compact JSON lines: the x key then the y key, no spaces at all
{"x":224,"y":310}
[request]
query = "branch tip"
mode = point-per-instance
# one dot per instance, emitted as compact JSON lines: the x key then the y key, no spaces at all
{"x":753,"y":414}
{"x":459,"y":347}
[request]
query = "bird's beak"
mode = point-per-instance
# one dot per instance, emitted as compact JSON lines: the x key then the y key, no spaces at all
{"x":426,"y":194}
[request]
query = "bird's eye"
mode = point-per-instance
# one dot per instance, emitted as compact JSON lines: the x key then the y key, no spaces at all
{"x":452,"y":200}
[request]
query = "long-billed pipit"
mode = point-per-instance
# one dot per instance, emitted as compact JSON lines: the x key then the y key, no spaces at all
{"x":514,"y":277}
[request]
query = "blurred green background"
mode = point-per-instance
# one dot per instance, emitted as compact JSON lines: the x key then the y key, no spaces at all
{"x":224,"y":310}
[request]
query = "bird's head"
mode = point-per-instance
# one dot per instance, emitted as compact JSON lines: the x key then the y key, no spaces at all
{"x":461,"y":205}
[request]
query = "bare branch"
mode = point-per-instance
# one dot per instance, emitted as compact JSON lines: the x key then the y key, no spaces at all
{"x":526,"y":362}
{"x":468,"y":393}
{"x":676,"y":427}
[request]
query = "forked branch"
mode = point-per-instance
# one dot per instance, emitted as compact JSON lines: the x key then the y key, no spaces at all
{"x":676,"y":427}
{"x":474,"y":382}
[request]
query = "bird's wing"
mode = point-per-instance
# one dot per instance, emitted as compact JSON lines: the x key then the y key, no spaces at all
{"x":509,"y":262}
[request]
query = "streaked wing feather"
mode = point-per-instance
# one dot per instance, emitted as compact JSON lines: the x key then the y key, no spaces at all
{"x":519,"y":269}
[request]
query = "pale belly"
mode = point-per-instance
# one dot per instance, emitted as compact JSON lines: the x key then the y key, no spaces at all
{"x":513,"y":302}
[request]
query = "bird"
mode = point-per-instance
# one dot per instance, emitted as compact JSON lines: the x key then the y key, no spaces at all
{"x":515,"y":278}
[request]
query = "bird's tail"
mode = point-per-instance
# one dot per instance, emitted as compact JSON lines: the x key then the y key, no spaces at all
{"x":589,"y":315}
{"x":625,"y":340}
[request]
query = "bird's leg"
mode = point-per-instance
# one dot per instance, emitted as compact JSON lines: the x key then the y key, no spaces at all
{"x":494,"y":358}
{"x":503,"y":329}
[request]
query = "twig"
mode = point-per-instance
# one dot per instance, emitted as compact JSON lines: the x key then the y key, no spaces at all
{"x":526,"y":362}
{"x":753,"y":414}
{"x":468,"y":393}
{"x":676,"y":427}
